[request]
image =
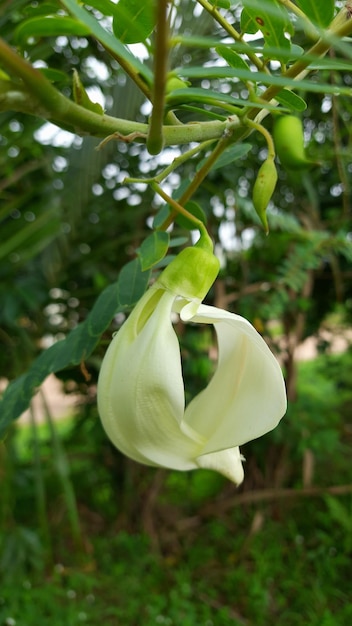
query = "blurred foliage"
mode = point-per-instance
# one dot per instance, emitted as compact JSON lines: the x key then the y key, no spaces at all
{"x":206,"y":552}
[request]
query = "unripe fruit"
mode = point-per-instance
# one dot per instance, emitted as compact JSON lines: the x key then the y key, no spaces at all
{"x":263,"y":189}
{"x":173,"y":83}
{"x":289,"y":143}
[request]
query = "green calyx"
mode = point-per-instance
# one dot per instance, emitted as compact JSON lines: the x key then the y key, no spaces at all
{"x":192,"y":273}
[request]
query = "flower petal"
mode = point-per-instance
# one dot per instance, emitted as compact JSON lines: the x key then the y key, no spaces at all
{"x":141,"y":392}
{"x":226,"y":462}
{"x":246,"y":397}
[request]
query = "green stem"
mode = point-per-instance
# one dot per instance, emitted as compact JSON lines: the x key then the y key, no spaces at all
{"x":201,"y":174}
{"x":207,"y":165}
{"x":268,"y":138}
{"x":174,"y":165}
{"x":177,"y":209}
{"x":39,"y":97}
{"x":34,"y":80}
{"x":155,"y":139}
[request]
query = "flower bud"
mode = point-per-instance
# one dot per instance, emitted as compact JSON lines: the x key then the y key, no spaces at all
{"x":263,"y":189}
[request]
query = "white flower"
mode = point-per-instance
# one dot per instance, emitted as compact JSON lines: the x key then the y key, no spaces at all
{"x":141,"y":396}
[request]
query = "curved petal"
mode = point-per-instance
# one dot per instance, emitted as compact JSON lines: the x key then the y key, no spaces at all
{"x":246,"y":397}
{"x":226,"y":462}
{"x":141,"y":393}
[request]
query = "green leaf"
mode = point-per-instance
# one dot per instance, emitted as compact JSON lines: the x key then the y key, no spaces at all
{"x":197,"y":41}
{"x":320,"y":13}
{"x":43,"y":228}
{"x":272,"y":20}
{"x":232,"y":154}
{"x":291,"y":100}
{"x":107,"y":39}
{"x":195,"y":209}
{"x":34,"y":9}
{"x":231,"y":57}
{"x":105,"y":306}
{"x":221,"y":4}
{"x":78,"y":344}
{"x":262,"y":77}
{"x":153,"y":249}
{"x":291,"y":54}
{"x":81,"y":97}
{"x":254,"y":46}
{"x":205,"y":96}
{"x":248,"y":25}
{"x":55,"y":76}
{"x":50,"y":27}
{"x":178,"y":241}
{"x":106,"y":7}
{"x":132,"y":283}
{"x":133,"y":20}
{"x":161,"y":216}
{"x":214,"y":98}
{"x":165,"y":261}
{"x":203,"y":112}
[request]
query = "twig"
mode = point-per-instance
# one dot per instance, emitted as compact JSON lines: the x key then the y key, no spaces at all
{"x":265,"y":495}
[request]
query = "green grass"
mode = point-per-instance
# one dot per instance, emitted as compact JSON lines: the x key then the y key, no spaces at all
{"x":181,"y":549}
{"x":294,"y":571}
{"x":24,"y":434}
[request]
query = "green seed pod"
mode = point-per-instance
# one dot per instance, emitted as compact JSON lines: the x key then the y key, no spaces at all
{"x":263,"y":189}
{"x":289,"y":143}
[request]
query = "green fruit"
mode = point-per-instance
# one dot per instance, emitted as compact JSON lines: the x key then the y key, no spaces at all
{"x":173,"y":83}
{"x":263,"y":189}
{"x":289,"y":143}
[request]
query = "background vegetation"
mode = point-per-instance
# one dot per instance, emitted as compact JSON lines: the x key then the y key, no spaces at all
{"x":87,"y":535}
